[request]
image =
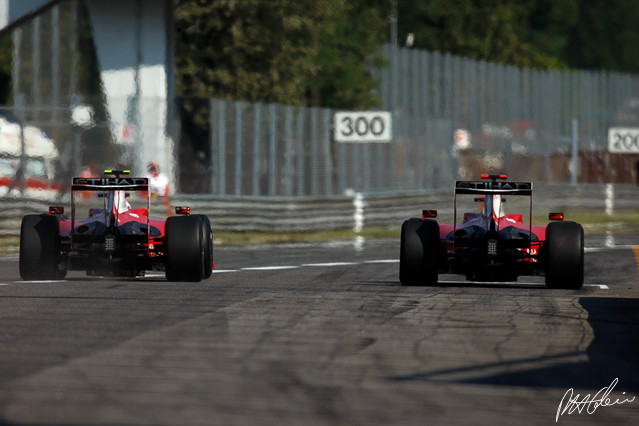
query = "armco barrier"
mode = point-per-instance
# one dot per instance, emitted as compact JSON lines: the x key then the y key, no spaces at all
{"x":295,"y":214}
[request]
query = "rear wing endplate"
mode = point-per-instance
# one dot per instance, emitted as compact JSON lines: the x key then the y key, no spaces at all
{"x":110,"y":183}
{"x":494,"y":187}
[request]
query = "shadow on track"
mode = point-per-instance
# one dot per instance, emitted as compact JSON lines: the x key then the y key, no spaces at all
{"x":611,"y":354}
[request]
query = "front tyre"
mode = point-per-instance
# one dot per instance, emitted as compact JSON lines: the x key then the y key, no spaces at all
{"x":40,"y":248}
{"x":419,"y":252}
{"x":184,"y":251}
{"x":564,"y":255}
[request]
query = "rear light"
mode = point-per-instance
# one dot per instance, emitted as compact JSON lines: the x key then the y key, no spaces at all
{"x":429,"y":213}
{"x":492,"y":247}
{"x":109,"y":243}
{"x":556,"y":216}
{"x":183,"y":210}
{"x":56,"y":210}
{"x":489,"y":176}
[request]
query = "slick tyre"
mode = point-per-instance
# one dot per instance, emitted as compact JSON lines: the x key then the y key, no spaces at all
{"x":207,"y":241}
{"x":419,"y":252}
{"x":184,"y":252}
{"x":40,"y":248}
{"x":564,"y":255}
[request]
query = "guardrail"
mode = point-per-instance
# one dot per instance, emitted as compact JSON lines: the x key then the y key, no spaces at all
{"x":351,"y":211}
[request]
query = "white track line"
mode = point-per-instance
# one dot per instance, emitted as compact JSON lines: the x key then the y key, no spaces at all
{"x":601,"y":286}
{"x":289,"y":267}
{"x":269,"y":268}
{"x":331,"y":264}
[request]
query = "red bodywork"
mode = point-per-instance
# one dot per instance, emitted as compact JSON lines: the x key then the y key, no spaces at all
{"x":115,"y":239}
{"x":490,"y":244}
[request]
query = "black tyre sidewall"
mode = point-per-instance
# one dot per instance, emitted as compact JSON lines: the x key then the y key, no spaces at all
{"x":419,"y":252}
{"x":564,"y":255}
{"x":184,"y":249}
{"x":207,"y":241}
{"x":39,"y":248}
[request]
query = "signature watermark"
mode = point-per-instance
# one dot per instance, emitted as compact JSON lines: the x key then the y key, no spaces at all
{"x":572,"y":402}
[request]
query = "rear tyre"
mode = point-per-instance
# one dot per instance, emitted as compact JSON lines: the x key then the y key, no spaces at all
{"x":564,"y":255}
{"x":40,"y":248}
{"x":184,"y":252}
{"x":207,"y":241}
{"x":419,"y":252}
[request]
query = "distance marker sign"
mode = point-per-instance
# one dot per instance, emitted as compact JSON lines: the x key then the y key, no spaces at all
{"x":623,"y":140}
{"x":363,"y":126}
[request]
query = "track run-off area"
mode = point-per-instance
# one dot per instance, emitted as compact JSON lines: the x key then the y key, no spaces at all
{"x":321,"y":334}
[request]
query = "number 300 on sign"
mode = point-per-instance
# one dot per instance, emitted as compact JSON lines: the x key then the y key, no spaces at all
{"x":365,"y":126}
{"x":623,"y":139}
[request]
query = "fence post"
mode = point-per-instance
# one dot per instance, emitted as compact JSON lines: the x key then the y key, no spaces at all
{"x":314,"y":152}
{"x":299,"y":150}
{"x":237,"y":151}
{"x":20,"y":174}
{"x":257,"y":125}
{"x":272,"y":149}
{"x":327,"y":152}
{"x":221,"y":148}
{"x":288,"y":157}
{"x":575,"y":152}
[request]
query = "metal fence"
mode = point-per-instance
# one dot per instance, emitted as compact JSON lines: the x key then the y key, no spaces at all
{"x":275,"y":150}
{"x":452,"y":118}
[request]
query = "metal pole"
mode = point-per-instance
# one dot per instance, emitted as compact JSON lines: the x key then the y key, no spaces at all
{"x":55,"y":53}
{"x":272,"y":149}
{"x":575,"y":152}
{"x":221,"y":150}
{"x":237,"y":152}
{"x":257,"y":124}
{"x":213,"y":144}
{"x":15,"y":66}
{"x":21,"y":174}
{"x":299,"y":150}
{"x":288,"y":151}
{"x":314,"y":152}
{"x":36,"y":83}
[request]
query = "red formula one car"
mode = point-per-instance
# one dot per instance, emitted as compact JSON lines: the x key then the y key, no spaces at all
{"x":116,"y":239}
{"x":490,"y":245}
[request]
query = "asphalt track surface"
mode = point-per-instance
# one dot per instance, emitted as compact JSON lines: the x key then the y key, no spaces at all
{"x":321,"y":335}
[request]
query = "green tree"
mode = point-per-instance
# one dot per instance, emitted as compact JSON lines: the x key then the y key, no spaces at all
{"x":605,"y":37}
{"x":350,"y":47}
{"x":527,"y":33}
{"x":316,"y":53}
{"x":550,"y":25}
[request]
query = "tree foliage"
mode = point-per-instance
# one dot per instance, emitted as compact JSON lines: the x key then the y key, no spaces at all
{"x":526,"y":33}
{"x":284,"y":51}
{"x":605,"y":37}
{"x":321,"y":52}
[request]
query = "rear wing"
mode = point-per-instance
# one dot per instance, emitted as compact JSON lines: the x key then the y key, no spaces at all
{"x":493,"y":187}
{"x":119,"y":182}
{"x":110,"y":183}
